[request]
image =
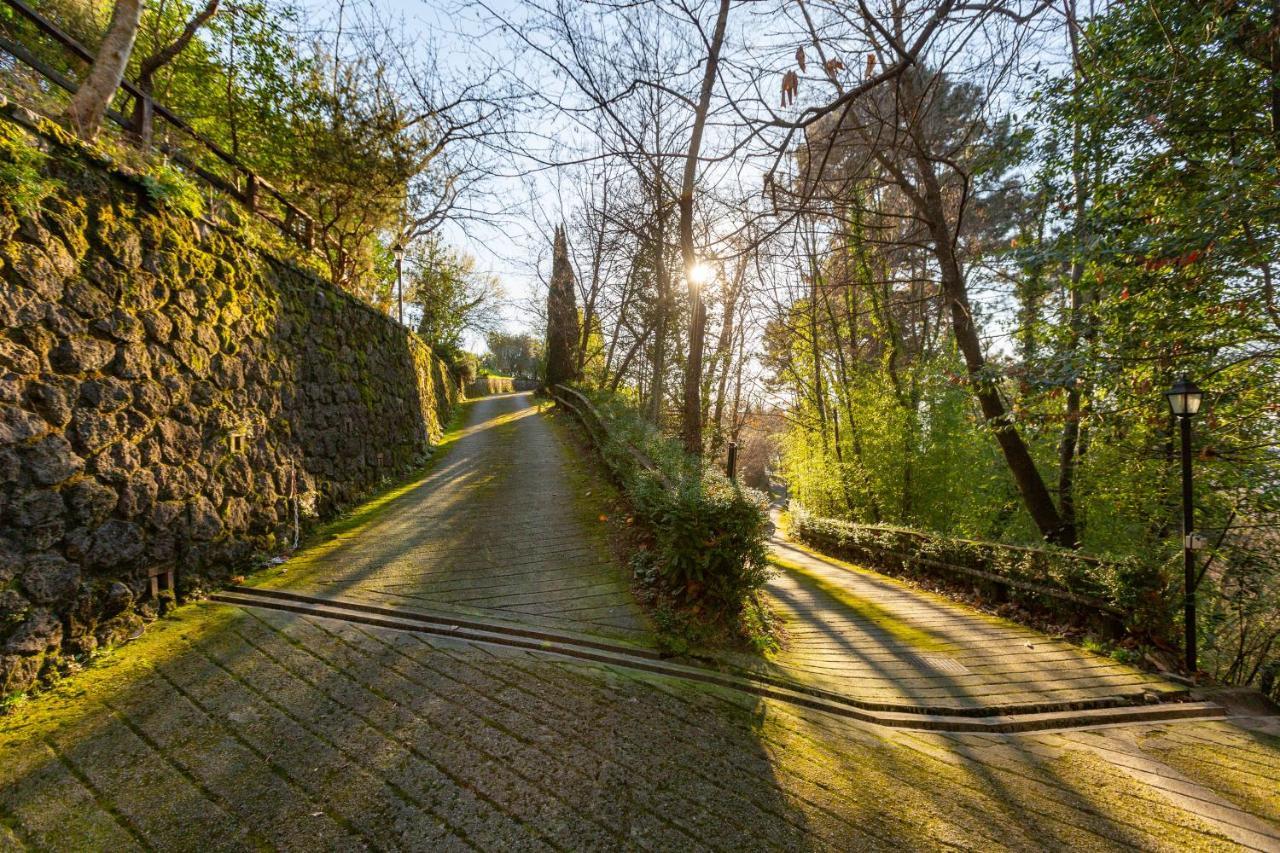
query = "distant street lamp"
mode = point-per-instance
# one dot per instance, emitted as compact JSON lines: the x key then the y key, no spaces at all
{"x":398,"y":251}
{"x":1184,"y":399}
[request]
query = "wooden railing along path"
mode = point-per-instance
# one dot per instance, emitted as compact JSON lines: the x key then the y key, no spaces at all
{"x":594,"y":424}
{"x":246,"y":187}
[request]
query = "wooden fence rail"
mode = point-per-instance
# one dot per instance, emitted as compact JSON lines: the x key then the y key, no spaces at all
{"x":246,"y":189}
{"x":591,"y":420}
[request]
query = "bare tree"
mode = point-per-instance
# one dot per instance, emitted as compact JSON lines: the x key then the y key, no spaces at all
{"x":698,"y":316}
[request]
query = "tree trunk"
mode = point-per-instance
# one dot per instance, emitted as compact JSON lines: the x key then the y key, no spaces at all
{"x":89,"y":104}
{"x":143,"y":112}
{"x":1035,"y":495}
{"x":693,"y":367}
{"x":663,"y":276}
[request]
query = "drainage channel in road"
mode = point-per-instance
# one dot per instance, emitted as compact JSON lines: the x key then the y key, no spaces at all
{"x":997,"y":718}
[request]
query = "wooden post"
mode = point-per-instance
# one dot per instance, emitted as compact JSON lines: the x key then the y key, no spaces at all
{"x":251,"y":191}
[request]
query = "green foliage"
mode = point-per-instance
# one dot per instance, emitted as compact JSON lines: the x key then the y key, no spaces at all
{"x":1142,"y":594}
{"x":518,"y":356}
{"x":709,"y":535}
{"x":167,"y":187}
{"x":1128,"y":229}
{"x":708,"y":531}
{"x":451,"y":296}
{"x":336,"y":127}
{"x":22,"y":170}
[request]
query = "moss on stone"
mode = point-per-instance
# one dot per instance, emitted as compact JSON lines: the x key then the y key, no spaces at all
{"x":865,"y":608}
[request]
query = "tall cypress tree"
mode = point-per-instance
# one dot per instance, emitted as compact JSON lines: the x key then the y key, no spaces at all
{"x":562,"y":316}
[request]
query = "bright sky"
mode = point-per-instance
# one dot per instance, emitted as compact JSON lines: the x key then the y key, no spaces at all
{"x":509,"y":244}
{"x":511,"y":239}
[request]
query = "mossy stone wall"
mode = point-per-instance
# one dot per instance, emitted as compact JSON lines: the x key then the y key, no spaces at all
{"x":171,"y":397}
{"x":485,"y":386}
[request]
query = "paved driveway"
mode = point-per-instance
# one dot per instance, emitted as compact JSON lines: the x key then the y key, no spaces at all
{"x":227,"y":729}
{"x":500,"y":526}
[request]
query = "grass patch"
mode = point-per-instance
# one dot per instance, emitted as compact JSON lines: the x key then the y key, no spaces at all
{"x":866,"y":609}
{"x":108,"y":674}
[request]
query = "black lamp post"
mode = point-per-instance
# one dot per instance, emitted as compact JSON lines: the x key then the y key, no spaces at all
{"x":398,"y":251}
{"x":1184,"y":399}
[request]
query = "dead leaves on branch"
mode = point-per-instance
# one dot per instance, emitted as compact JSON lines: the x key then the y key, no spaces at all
{"x":790,"y":86}
{"x":832,"y":67}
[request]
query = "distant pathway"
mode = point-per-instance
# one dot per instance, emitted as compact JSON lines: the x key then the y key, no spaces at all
{"x":499,"y":527}
{"x":866,"y":635}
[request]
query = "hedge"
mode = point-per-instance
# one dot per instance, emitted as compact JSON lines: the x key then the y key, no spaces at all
{"x":1134,"y":595}
{"x":709,"y":532}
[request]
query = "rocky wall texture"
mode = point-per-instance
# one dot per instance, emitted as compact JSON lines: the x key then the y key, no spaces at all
{"x":485,"y":386}
{"x":171,"y":398}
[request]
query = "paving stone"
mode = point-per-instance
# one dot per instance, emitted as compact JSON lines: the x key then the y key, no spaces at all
{"x":496,"y":526}
{"x":872,"y":637}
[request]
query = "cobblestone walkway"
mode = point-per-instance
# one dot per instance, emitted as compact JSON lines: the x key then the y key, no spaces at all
{"x":226,"y":729}
{"x":869,"y":636}
{"x":498,"y":527}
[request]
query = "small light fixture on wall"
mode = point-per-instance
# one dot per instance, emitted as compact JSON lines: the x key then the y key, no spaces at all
{"x":236,"y":441}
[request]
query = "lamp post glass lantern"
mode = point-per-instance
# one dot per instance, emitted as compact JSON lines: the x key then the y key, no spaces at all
{"x":1184,"y":399}
{"x":398,"y":251}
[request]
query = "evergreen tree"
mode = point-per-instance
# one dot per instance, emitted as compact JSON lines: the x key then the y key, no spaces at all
{"x":562,"y":316}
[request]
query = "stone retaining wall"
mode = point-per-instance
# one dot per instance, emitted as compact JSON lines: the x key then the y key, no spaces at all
{"x":483,"y":386}
{"x":171,"y":398}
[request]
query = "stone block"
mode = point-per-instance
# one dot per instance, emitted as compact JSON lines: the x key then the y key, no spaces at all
{"x":203,"y":520}
{"x":81,"y":355}
{"x":90,"y":502}
{"x":18,"y":358}
{"x":131,"y":362}
{"x":158,"y":326}
{"x":116,"y":544}
{"x":18,"y":426}
{"x":49,"y":580}
{"x":51,"y":461}
{"x":88,"y":299}
{"x":120,"y":326}
{"x":93,"y":430}
{"x":52,"y":399}
{"x":40,"y":632}
{"x":115,"y":464}
{"x":138,"y":494}
{"x":37,"y":508}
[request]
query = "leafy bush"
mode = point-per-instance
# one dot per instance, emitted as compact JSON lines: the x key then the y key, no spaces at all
{"x":22,"y":174}
{"x":708,"y":532}
{"x":167,"y":187}
{"x":1137,"y":594}
{"x":709,"y":535}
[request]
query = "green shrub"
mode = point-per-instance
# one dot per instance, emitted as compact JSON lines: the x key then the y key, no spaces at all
{"x":167,"y":187}
{"x":709,"y":535}
{"x":708,"y":532}
{"x":1134,"y":592}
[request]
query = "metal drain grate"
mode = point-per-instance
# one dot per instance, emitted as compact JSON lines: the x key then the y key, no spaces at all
{"x":942,"y":663}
